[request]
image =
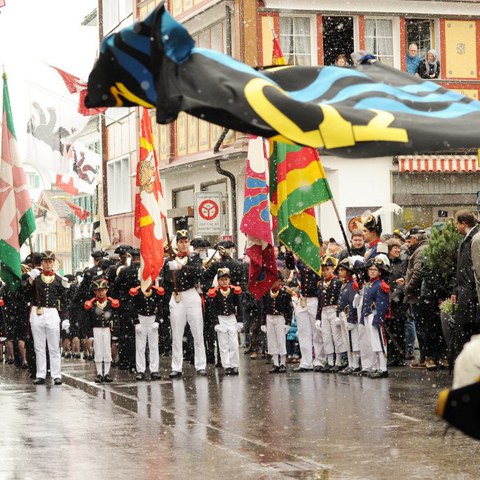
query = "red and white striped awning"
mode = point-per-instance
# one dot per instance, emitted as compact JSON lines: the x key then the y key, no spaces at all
{"x":438,"y":163}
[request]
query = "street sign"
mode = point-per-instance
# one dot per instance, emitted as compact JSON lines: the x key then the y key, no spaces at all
{"x":208,"y":213}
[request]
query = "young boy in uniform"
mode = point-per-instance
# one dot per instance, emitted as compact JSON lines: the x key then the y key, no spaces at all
{"x":278,"y":309}
{"x":376,"y":304}
{"x":225,"y":305}
{"x":148,"y":308}
{"x":348,"y":315}
{"x":328,"y":292}
{"x":101,"y":320}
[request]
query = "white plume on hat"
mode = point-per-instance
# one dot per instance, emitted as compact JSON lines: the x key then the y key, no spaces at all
{"x":467,"y":364}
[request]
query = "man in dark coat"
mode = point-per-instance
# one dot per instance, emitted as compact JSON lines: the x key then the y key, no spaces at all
{"x":465,"y":293}
{"x":126,"y":279}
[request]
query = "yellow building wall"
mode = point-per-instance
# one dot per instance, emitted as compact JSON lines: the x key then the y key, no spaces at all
{"x":468,"y":93}
{"x":460,"y":49}
{"x":267,"y":40}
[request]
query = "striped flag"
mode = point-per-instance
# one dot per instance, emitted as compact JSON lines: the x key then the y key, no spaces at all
{"x":18,"y":221}
{"x":257,"y":222}
{"x":150,"y":210}
{"x":298,"y":183}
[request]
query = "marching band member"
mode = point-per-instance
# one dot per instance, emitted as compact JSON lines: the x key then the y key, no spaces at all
{"x":225,"y":301}
{"x":306,"y":309}
{"x":101,"y":320}
{"x":47,"y":291}
{"x":328,"y":292}
{"x":278,"y":310}
{"x":181,"y":273}
{"x":376,"y":303}
{"x":348,"y":315}
{"x":148,"y":307}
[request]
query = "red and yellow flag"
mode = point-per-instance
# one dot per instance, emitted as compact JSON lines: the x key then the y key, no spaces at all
{"x":149,"y":207}
{"x":277,"y":56}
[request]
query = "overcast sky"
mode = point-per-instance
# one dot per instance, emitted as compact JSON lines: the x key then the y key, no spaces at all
{"x":35,"y":32}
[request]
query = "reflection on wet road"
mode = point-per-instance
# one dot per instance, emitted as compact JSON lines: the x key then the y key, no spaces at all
{"x":255,"y":426}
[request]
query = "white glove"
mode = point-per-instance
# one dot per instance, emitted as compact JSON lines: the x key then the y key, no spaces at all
{"x":218,"y":328}
{"x":263,"y":328}
{"x":34,"y":273}
{"x":66,"y":325}
{"x":318,"y":324}
{"x":357,"y":300}
{"x":65,"y":283}
{"x":3,"y":339}
{"x":338,"y":322}
{"x":173,"y":265}
{"x":113,"y":338}
{"x":287,"y":329}
{"x":350,"y":326}
{"x":239,"y":327}
{"x":155,"y":326}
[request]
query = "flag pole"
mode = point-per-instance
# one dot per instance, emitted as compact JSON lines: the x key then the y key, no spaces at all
{"x":340,"y":223}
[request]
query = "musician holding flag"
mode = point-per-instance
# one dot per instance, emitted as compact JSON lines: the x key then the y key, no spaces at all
{"x":181,"y":272}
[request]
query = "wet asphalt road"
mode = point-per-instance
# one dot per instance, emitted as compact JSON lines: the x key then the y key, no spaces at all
{"x":254,"y":426}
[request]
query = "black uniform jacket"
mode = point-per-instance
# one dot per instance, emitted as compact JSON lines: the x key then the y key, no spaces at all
{"x":149,"y":303}
{"x":188,"y":277}
{"x":44,"y":292}
{"x":277,"y":303}
{"x":328,"y":293}
{"x":308,"y":278}
{"x":224,"y":301}
{"x":101,"y":314}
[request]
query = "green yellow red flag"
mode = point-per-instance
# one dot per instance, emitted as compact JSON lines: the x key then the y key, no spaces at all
{"x":298,"y":183}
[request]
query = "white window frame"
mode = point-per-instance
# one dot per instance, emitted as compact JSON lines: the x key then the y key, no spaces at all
{"x":119,"y":186}
{"x":313,"y":36}
{"x":395,"y":36}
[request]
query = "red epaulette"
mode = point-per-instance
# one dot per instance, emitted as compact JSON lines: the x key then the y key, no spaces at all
{"x":115,"y":303}
{"x":159,"y":290}
{"x":385,"y":287}
{"x":212,"y":293}
{"x":355,"y":285}
{"x":134,"y":291}
{"x":2,"y":303}
{"x":89,"y":303}
{"x":237,"y":290}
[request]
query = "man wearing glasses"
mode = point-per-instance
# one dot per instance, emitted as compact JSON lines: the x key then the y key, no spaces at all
{"x":412,"y":59}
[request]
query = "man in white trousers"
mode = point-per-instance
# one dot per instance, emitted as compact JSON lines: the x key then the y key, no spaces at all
{"x":47,"y":294}
{"x":181,"y":273}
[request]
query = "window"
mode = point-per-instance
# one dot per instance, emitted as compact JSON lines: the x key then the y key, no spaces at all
{"x":419,"y":31}
{"x":32,"y":180}
{"x":114,"y":11}
{"x":379,"y":39}
{"x":295,"y":40}
{"x":118,"y":178}
{"x":183,"y":199}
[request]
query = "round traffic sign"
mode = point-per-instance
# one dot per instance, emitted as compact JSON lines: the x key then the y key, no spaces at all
{"x":208,"y":209}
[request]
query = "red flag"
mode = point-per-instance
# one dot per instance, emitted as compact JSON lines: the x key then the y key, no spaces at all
{"x":149,"y":207}
{"x":81,"y":213}
{"x":77,"y":86}
{"x":277,"y":54}
{"x":257,"y":221}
